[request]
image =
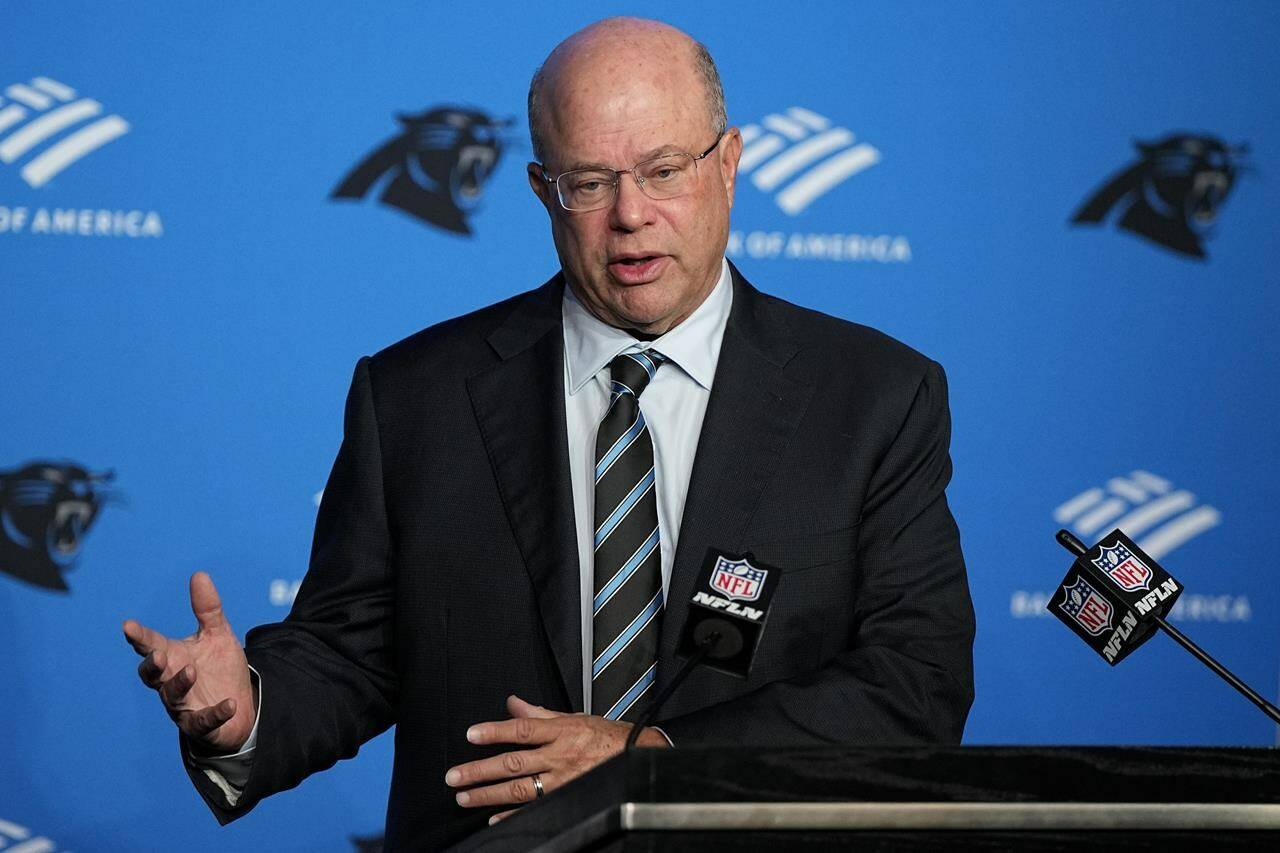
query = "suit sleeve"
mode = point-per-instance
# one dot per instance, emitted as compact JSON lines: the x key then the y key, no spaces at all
{"x":328,"y":669}
{"x":907,"y":677}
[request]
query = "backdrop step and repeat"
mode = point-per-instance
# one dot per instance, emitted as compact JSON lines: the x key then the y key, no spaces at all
{"x":209,"y":212}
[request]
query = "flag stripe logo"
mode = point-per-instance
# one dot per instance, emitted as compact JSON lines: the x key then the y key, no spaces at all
{"x":801,"y":157}
{"x":41,"y":111}
{"x":14,"y":832}
{"x":1150,"y":511}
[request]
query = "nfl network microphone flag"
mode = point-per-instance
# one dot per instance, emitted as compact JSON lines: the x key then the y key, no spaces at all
{"x":1111,"y":596}
{"x":731,"y":598}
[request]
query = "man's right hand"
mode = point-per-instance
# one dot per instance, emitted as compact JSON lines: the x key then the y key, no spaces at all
{"x":203,"y":680}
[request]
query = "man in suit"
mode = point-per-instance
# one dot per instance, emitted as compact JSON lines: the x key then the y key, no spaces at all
{"x":508,"y":541}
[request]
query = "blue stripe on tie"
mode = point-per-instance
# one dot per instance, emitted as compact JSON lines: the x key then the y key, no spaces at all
{"x":614,"y":396}
{"x":620,"y":446}
{"x":622,"y":388}
{"x":623,"y":705}
{"x":628,"y":634}
{"x":620,"y":513}
{"x":615,"y":583}
{"x":640,"y":359}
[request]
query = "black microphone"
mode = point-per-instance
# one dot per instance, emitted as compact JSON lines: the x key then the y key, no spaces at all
{"x":1115,"y":596}
{"x":726,"y":620}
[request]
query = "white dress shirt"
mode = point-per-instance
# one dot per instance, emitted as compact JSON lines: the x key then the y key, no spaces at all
{"x":673,"y":403}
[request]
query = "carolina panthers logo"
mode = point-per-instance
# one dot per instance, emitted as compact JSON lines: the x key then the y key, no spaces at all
{"x":46,"y":508}
{"x":1172,"y":194}
{"x":436,"y":169}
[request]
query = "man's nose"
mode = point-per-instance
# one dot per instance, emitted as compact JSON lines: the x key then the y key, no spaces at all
{"x":632,"y":209}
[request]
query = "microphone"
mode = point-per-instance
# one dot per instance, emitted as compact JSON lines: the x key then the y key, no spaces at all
{"x":726,"y":620}
{"x":1112,"y":594}
{"x":1115,"y":597}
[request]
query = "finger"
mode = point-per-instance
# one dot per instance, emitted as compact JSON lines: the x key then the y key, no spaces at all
{"x":199,"y":723}
{"x":175,"y":689}
{"x":151,"y":670}
{"x":142,"y":638}
{"x":511,"y":792}
{"x":517,"y":707}
{"x":520,"y":762}
{"x":502,"y":815}
{"x":206,"y":604}
{"x":522,"y":730}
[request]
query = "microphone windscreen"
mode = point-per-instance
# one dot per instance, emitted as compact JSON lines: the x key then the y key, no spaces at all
{"x":731,"y":597}
{"x":1111,"y":596}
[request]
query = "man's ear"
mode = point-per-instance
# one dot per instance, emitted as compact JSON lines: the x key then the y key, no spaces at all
{"x":544,"y":190}
{"x":730,"y":151}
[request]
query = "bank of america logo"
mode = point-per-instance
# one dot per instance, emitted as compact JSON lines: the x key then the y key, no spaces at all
{"x":1147,"y":508}
{"x":797,"y":156}
{"x":27,"y":842}
{"x":32,"y":114}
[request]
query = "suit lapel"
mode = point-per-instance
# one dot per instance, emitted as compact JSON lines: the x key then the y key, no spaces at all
{"x":519,"y":404}
{"x":751,"y":415}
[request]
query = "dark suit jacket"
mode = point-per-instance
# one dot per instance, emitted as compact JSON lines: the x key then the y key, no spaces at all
{"x":444,"y":572}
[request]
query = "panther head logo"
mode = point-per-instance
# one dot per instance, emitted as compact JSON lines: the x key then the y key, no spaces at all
{"x":46,"y":508}
{"x":436,"y":168}
{"x":1171,"y":195}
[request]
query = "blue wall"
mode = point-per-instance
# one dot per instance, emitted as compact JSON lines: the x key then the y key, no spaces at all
{"x":1097,"y":375}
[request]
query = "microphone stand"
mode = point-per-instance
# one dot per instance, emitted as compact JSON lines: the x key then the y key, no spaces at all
{"x":1069,"y":541}
{"x":704,"y":648}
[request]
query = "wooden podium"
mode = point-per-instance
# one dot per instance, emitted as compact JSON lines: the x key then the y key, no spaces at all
{"x":892,"y":799}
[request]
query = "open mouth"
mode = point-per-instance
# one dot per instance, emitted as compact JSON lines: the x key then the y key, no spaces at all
{"x":474,"y":164}
{"x":68,"y":526}
{"x":1209,"y":190}
{"x":1206,"y":207}
{"x":637,"y":269}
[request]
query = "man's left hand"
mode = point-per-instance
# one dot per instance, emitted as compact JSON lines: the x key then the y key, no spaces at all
{"x":557,"y":747}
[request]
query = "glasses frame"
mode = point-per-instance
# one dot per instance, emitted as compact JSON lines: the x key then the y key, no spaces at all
{"x":618,"y":173}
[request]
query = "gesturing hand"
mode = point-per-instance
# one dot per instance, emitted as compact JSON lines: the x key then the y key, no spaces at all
{"x":203,"y":680}
{"x":557,"y":747}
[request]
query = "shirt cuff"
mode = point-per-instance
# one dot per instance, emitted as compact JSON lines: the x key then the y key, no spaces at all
{"x":230,"y":772}
{"x":670,"y":742}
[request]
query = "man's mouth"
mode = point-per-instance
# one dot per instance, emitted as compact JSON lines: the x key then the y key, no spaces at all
{"x":637,"y":268}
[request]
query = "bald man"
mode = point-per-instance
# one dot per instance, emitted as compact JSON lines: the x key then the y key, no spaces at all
{"x":508,"y":541}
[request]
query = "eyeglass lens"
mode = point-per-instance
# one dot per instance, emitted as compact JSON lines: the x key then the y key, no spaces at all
{"x":660,"y":178}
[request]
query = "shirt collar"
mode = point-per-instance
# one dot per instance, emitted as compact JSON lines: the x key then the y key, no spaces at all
{"x":590,"y":344}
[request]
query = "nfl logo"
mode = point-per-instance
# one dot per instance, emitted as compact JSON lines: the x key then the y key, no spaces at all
{"x":1090,"y":610}
{"x":737,"y":579}
{"x":1124,"y":568}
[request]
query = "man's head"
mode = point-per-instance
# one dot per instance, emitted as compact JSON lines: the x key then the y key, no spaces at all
{"x":622,"y":91}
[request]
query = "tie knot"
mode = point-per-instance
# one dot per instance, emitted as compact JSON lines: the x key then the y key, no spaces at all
{"x":632,"y":372}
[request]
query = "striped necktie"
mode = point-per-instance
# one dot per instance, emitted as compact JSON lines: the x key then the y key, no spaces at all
{"x":627,"y":609}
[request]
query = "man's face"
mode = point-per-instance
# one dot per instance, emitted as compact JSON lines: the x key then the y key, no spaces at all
{"x":639,"y":263}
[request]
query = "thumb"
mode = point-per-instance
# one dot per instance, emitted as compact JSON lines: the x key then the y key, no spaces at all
{"x":206,"y":604}
{"x":518,"y":708}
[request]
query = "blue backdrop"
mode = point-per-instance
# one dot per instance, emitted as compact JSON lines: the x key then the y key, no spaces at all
{"x":183,"y":301}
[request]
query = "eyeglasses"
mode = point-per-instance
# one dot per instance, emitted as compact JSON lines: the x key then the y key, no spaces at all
{"x":664,"y":177}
